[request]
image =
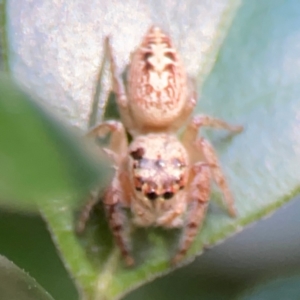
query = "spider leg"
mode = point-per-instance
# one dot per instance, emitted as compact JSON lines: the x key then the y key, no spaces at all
{"x":201,"y":149}
{"x":85,"y":212}
{"x":115,"y":201}
{"x":191,"y":132}
{"x":117,"y":196}
{"x":119,"y":89}
{"x":218,"y":175}
{"x":118,"y":141}
{"x":199,"y":196}
{"x":117,"y":147}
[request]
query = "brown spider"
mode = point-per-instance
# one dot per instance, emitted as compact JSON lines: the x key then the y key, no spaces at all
{"x":164,"y":181}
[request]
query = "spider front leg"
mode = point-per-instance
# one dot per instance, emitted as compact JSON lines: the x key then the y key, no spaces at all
{"x":198,"y":197}
{"x":116,"y":148}
{"x":85,"y":212}
{"x":200,"y":149}
{"x":118,"y":143}
{"x":117,"y":195}
{"x":115,"y":200}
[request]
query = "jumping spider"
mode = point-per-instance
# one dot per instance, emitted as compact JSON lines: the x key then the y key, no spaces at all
{"x":163,"y":180}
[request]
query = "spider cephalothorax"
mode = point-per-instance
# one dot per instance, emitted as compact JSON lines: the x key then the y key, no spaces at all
{"x":158,"y":176}
{"x":158,"y":171}
{"x":164,"y":181}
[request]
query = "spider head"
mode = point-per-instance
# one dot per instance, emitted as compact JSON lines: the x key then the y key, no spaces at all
{"x":158,"y":167}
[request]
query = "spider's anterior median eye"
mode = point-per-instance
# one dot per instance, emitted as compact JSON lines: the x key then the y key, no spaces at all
{"x":138,"y":153}
{"x":151,"y":195}
{"x":168,"y":195}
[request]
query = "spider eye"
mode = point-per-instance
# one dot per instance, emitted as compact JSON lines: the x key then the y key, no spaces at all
{"x":168,"y":195}
{"x":138,"y":153}
{"x":151,"y":195}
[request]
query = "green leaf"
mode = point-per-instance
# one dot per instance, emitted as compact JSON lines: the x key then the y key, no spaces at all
{"x":15,"y":284}
{"x":40,"y":159}
{"x":279,"y":288}
{"x":3,"y":38}
{"x":254,"y":82}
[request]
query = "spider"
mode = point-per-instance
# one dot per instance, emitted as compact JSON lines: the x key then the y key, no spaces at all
{"x":163,"y":180}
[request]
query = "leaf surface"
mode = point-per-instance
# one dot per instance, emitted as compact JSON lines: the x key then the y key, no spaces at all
{"x":15,"y":284}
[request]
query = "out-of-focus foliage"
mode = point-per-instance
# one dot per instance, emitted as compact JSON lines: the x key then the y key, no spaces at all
{"x":279,"y":288}
{"x":15,"y":284}
{"x":40,"y":159}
